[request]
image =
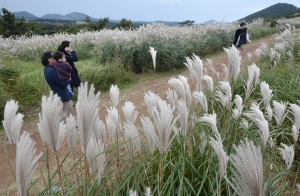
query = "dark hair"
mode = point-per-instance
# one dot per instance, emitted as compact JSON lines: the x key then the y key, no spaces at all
{"x":242,"y":24}
{"x":244,"y":29}
{"x":46,"y":55}
{"x":58,"y":55}
{"x":63,"y":45}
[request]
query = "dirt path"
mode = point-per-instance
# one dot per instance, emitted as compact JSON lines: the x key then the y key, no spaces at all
{"x":135,"y":94}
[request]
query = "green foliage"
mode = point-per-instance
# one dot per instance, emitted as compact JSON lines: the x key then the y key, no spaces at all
{"x":124,"y":24}
{"x":101,"y":24}
{"x":9,"y":26}
{"x":187,"y":23}
{"x":104,"y":76}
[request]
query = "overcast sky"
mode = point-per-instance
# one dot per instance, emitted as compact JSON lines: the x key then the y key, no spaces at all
{"x":147,"y":10}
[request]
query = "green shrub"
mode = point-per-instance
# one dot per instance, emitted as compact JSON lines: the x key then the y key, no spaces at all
{"x":104,"y":76}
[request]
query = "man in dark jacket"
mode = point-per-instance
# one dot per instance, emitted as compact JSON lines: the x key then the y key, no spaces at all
{"x":57,"y":86}
{"x":238,"y":32}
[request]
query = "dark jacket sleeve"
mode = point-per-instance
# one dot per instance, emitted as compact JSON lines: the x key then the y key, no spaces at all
{"x":72,"y":58}
{"x":62,"y":83}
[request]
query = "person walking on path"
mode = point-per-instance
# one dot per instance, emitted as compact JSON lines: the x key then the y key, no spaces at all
{"x":71,"y":57}
{"x":238,"y":32}
{"x":243,"y":39}
{"x":58,"y":87}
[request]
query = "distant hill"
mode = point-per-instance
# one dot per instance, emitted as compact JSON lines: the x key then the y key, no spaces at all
{"x":77,"y":16}
{"x":24,"y":14}
{"x":52,"y":16}
{"x":277,"y":10}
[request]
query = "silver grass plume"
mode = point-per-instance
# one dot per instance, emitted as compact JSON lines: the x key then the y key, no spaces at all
{"x":163,"y":116}
{"x":269,"y":112}
{"x":12,"y":122}
{"x":132,"y":193}
{"x":148,"y":192}
{"x":247,"y":181}
{"x":129,"y":111}
{"x":257,"y":116}
{"x":198,"y":68}
{"x":221,"y":154}
{"x":26,"y":162}
{"x":280,"y":112}
{"x":253,"y":79}
{"x":201,"y":98}
{"x":71,"y":132}
{"x":210,"y":120}
{"x":183,"y":116}
{"x":209,"y":82}
{"x":172,"y":97}
{"x":132,"y":137}
{"x":182,"y":87}
{"x":50,"y":117}
{"x":99,"y":132}
{"x":234,"y":62}
{"x":287,"y":153}
{"x":295,"y":110}
{"x":151,"y":100}
{"x":210,"y":66}
{"x":224,"y":94}
{"x":150,"y":133}
{"x":203,"y":142}
{"x":295,"y":133}
{"x":225,"y":70}
{"x":271,"y":53}
{"x":96,"y":157}
{"x":113,"y":122}
{"x":114,"y":93}
{"x":195,"y":67}
{"x":238,"y":110}
{"x":266,"y":93}
{"x":87,"y":113}
{"x":153,"y":55}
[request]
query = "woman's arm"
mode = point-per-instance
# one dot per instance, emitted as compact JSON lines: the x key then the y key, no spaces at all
{"x":72,"y":57}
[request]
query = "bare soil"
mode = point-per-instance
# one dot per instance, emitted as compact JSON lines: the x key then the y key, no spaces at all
{"x":155,"y":83}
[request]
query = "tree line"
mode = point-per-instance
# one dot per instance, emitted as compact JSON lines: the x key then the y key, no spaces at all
{"x":10,"y":26}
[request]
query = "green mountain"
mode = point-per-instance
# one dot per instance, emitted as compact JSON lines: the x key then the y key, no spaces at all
{"x":24,"y":14}
{"x":277,"y":10}
{"x":52,"y":16}
{"x":77,"y":16}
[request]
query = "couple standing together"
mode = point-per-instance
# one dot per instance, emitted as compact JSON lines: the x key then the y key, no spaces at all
{"x":61,"y":74}
{"x":241,"y":36}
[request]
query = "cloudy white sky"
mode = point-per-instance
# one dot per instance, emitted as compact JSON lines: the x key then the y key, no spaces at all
{"x":147,"y":10}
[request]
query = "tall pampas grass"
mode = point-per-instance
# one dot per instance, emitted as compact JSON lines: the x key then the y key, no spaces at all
{"x":249,"y":181}
{"x":87,"y":112}
{"x":209,"y":82}
{"x":164,"y":119}
{"x":151,"y":99}
{"x":129,"y":111}
{"x":280,"y":112}
{"x":150,"y":133}
{"x":195,"y":66}
{"x":211,"y":120}
{"x":182,"y":87}
{"x":224,"y":94}
{"x":201,"y":98}
{"x":71,"y":132}
{"x":49,"y":126}
{"x":234,"y":62}
{"x":12,"y":122}
{"x":287,"y":153}
{"x":172,"y":97}
{"x":238,"y":110}
{"x":96,"y":157}
{"x":221,"y":154}
{"x":253,"y":79}
{"x":114,"y":93}
{"x":153,"y":55}
{"x":257,"y":116}
{"x":266,"y":93}
{"x":183,"y":116}
{"x":133,"y":142}
{"x":26,"y":162}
